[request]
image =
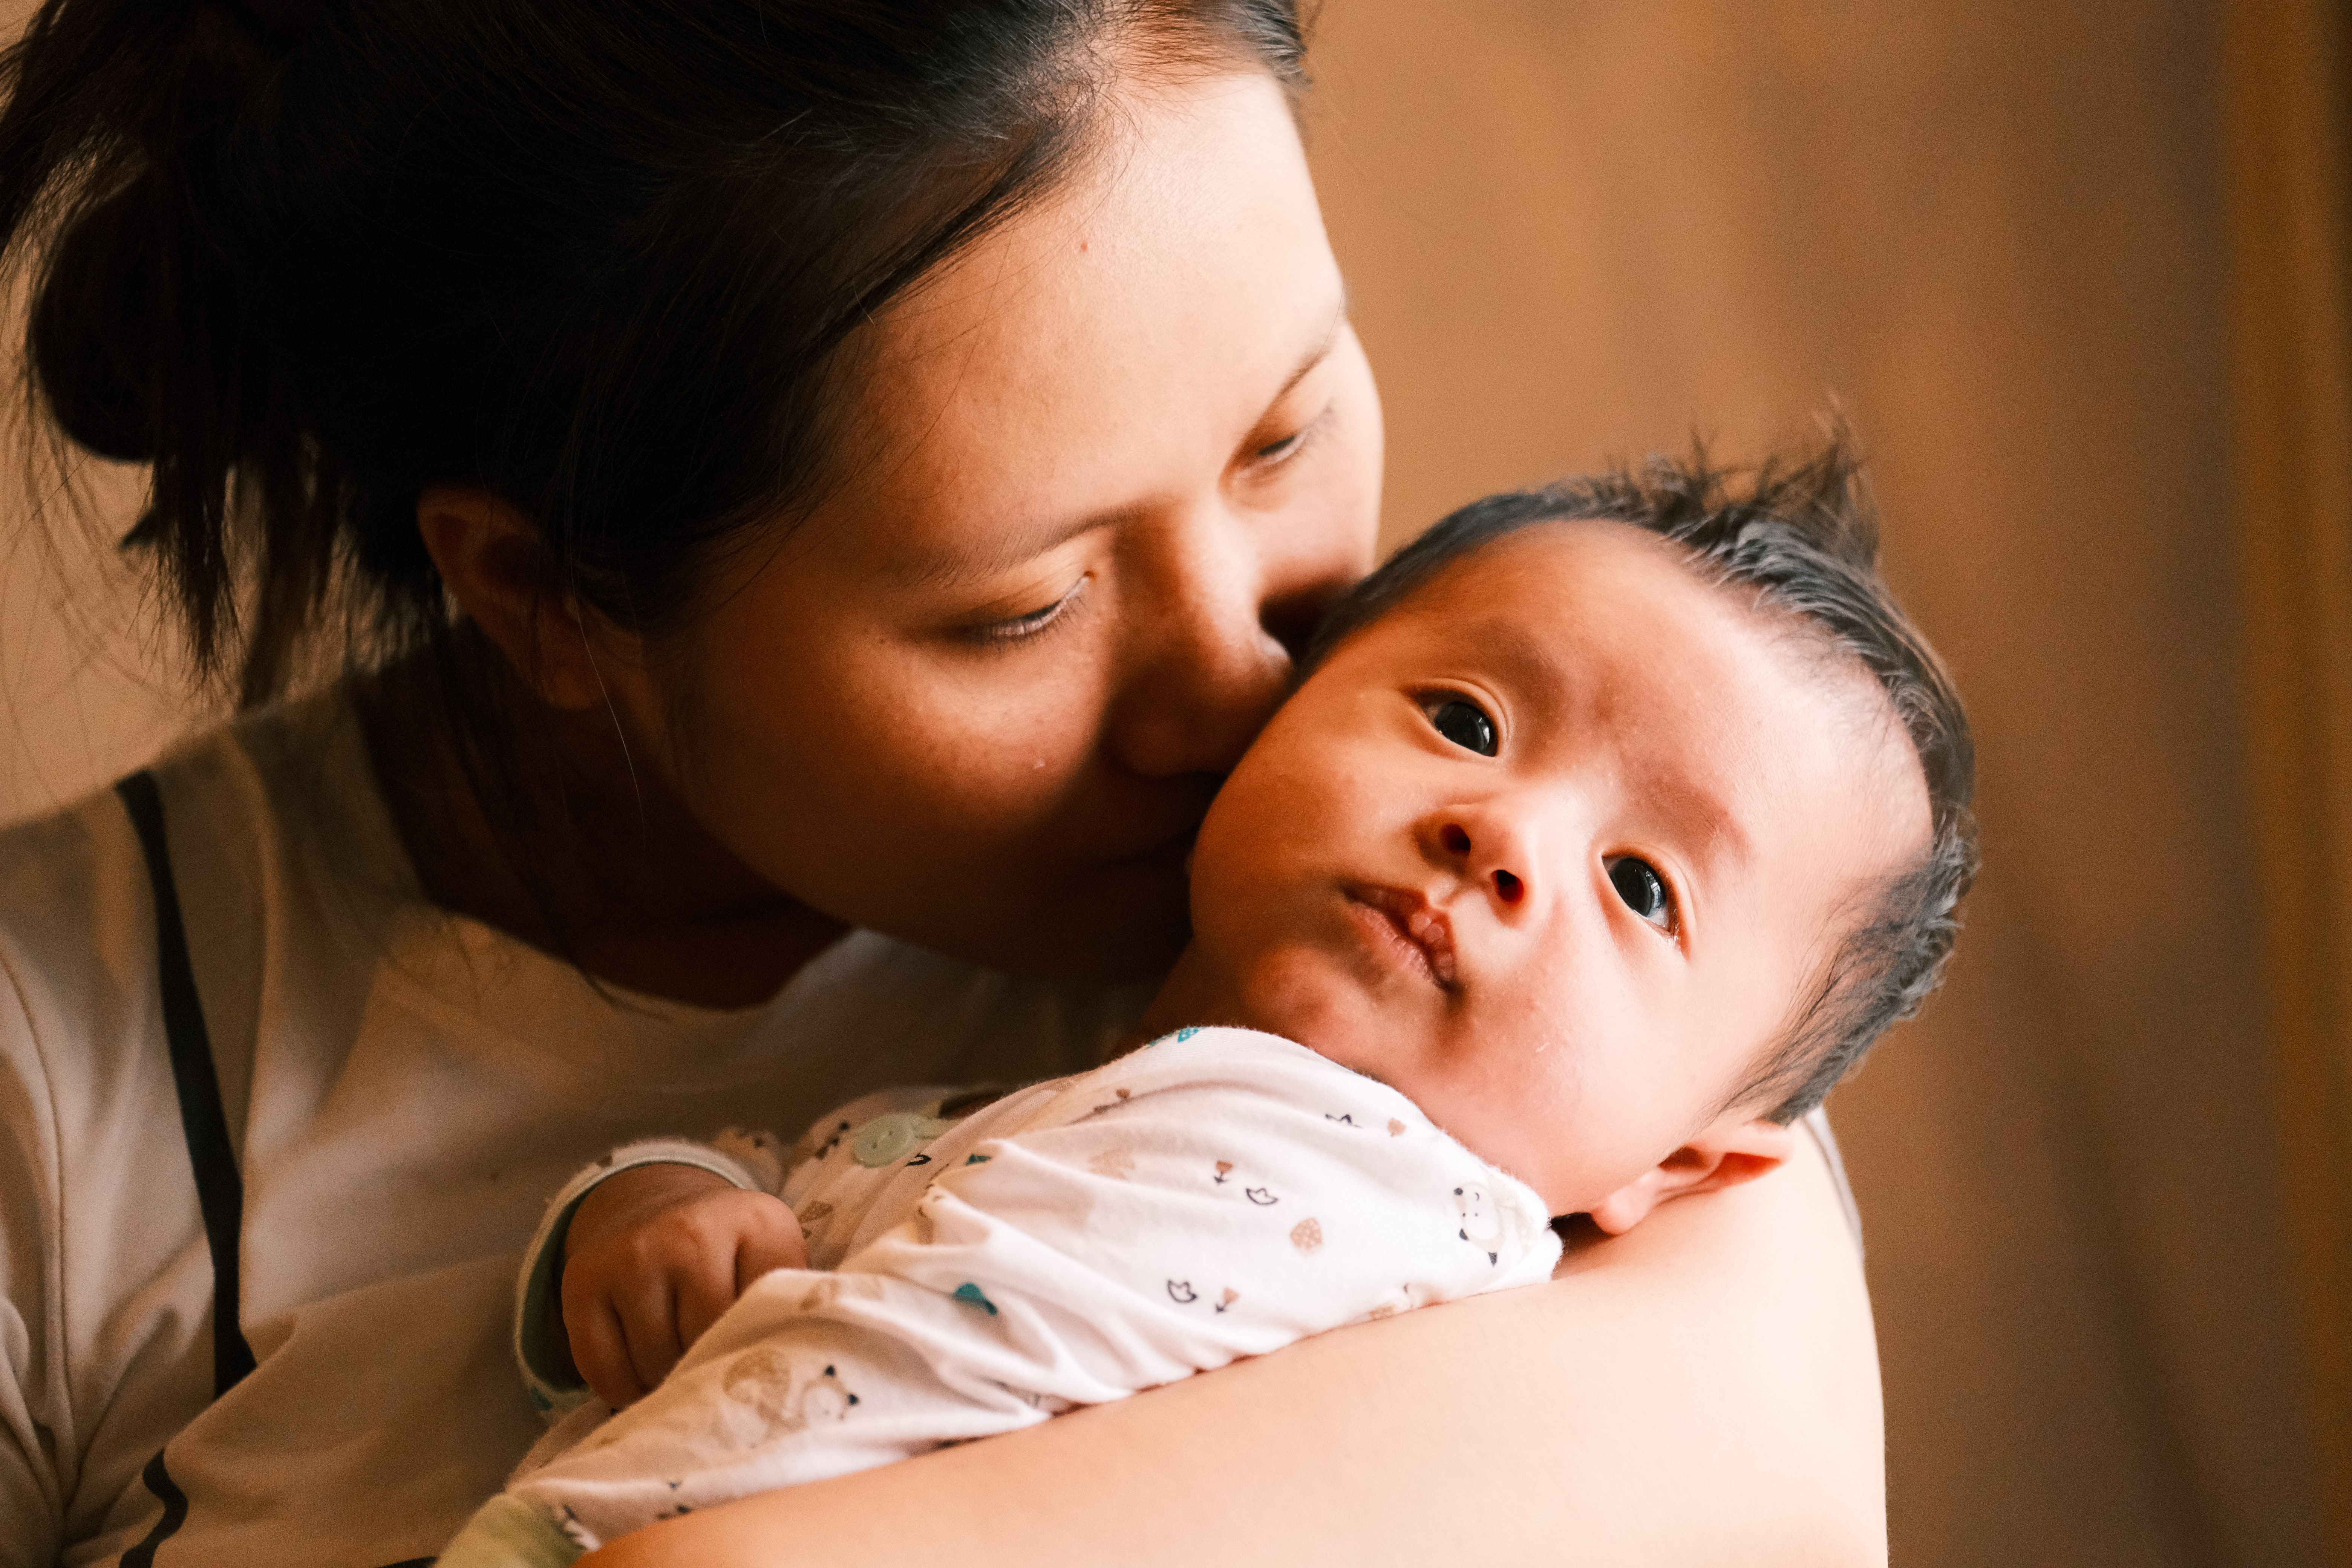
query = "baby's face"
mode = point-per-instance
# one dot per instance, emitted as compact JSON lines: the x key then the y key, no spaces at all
{"x":1551,"y":848}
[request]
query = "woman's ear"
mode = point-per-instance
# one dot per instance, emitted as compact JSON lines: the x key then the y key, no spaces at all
{"x":499,"y":571}
{"x":1731,"y":1151}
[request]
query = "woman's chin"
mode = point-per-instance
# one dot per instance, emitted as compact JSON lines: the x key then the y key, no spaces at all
{"x":1115,"y":925}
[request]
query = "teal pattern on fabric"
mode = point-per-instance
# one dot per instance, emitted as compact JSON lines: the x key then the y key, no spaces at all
{"x":972,"y":1295}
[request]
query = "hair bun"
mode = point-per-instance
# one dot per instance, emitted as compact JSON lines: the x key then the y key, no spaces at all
{"x":95,"y":324}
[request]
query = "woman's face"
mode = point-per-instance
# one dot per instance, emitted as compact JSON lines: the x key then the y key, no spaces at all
{"x":1108,"y":469}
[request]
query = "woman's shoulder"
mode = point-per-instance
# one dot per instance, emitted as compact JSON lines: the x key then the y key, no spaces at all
{"x":266,"y":824}
{"x":288,"y":779}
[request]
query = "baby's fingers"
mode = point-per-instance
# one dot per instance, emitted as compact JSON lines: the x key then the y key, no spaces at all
{"x":600,"y":1350}
{"x":749,"y":1234}
{"x":772,"y":1239}
{"x":704,"y":1292}
{"x":646,"y":1306}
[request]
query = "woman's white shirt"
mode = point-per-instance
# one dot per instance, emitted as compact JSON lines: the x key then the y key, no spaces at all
{"x":404,"y":1090}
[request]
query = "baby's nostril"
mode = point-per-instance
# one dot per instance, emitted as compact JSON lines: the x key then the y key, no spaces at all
{"x":1456,"y":840}
{"x":1509,"y":887}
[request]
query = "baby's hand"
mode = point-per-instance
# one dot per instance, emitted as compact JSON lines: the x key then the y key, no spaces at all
{"x":652,"y":1258}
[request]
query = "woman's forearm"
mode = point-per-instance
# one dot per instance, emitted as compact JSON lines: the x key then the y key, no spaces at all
{"x":1704,"y":1390}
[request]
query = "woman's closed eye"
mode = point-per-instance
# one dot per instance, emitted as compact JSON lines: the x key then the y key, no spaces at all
{"x":1021,"y":629}
{"x":1643,"y":891}
{"x":1275,"y":451}
{"x":1272,"y":454}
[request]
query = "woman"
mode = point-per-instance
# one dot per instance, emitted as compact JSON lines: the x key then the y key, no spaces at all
{"x":793,"y":473}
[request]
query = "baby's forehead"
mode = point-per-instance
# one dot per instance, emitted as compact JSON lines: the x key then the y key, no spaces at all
{"x":1602,"y":624}
{"x":1570,"y":592}
{"x":1669,"y":587}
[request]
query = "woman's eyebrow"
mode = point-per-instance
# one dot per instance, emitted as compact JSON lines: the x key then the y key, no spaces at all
{"x":944,"y":569}
{"x":1015,"y":544}
{"x":1317,"y":354}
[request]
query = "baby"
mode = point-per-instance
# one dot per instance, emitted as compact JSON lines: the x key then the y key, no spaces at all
{"x":1609,"y":825}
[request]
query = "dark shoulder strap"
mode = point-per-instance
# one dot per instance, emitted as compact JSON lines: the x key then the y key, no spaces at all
{"x":220,"y":1190}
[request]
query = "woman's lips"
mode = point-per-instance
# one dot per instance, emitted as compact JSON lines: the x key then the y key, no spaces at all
{"x":1421,"y":933}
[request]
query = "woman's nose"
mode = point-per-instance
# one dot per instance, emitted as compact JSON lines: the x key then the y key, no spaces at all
{"x":1213,"y":633}
{"x":1488,"y":847}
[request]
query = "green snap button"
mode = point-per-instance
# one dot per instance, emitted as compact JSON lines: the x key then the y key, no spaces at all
{"x":886,"y":1139}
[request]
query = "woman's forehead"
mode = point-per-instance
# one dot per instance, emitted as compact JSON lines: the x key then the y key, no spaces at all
{"x":1089,"y":354}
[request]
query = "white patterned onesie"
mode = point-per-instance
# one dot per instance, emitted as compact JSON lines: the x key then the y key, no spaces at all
{"x":1216,"y":1195}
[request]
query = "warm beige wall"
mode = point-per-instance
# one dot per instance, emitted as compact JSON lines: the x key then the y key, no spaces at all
{"x":88,"y":685}
{"x":85,"y":685}
{"x":1580,"y":227}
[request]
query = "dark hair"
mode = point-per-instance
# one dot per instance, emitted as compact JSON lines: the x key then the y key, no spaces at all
{"x":1801,"y":541}
{"x":601,"y":257}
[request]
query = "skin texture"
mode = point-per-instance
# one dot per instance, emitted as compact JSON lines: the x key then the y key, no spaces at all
{"x":827,"y":743}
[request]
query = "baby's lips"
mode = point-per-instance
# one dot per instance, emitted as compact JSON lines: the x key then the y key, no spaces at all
{"x":1434,"y":933}
{"x":1422,"y":923}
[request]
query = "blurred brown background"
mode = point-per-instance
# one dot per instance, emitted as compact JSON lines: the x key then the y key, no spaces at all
{"x":2010,"y":240}
{"x":2000,"y":235}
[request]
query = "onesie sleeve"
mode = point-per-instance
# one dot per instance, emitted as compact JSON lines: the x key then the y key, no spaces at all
{"x":753,"y":1160}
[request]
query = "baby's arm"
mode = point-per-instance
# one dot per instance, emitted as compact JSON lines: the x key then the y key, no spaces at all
{"x":642,"y":1250}
{"x":1184,"y":1208}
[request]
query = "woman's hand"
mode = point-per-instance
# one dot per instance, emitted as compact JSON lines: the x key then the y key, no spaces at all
{"x":652,"y":1258}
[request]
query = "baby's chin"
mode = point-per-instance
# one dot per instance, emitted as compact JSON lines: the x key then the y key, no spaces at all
{"x":1299,"y":994}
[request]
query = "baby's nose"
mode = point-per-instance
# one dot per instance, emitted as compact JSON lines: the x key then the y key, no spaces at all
{"x":1510,"y":887}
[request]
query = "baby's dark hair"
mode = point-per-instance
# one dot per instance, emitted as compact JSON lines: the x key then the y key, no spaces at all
{"x":1799,"y":540}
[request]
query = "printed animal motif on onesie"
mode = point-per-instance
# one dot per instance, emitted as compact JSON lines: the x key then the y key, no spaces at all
{"x":1263,"y":1198}
{"x":574,"y":1531}
{"x":781,"y":1395}
{"x":821,"y":1143}
{"x":761,"y":1155}
{"x":1404,"y":1298}
{"x":1482,"y":1228}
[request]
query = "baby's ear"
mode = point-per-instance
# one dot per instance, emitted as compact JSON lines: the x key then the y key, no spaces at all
{"x":1726,"y":1154}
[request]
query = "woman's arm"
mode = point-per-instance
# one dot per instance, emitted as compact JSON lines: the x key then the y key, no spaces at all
{"x":1704,"y":1390}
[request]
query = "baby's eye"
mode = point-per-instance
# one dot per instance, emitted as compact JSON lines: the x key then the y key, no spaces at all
{"x":1466,"y":724}
{"x":1644,"y":891}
